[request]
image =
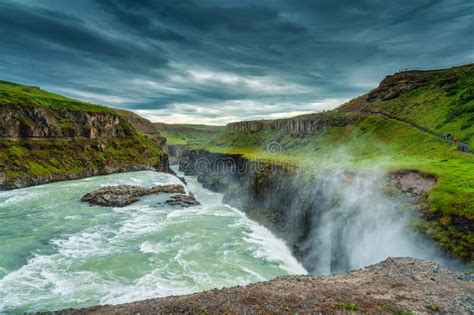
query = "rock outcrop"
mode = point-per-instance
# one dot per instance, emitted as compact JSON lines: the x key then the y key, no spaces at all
{"x":413,"y":182}
{"x":183,"y":200}
{"x":20,"y":122}
{"x":397,"y":285}
{"x":299,"y":125}
{"x":124,"y":195}
{"x":394,"y":85}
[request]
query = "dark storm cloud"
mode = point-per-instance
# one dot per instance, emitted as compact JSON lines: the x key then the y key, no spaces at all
{"x":60,"y":32}
{"x":214,"y":61}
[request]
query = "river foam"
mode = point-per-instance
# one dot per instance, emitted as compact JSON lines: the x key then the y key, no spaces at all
{"x":95,"y":255}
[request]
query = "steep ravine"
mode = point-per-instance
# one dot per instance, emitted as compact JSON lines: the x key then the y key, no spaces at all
{"x":333,"y":221}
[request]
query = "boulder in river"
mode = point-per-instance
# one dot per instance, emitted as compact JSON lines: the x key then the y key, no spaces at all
{"x":124,"y":195}
{"x":183,"y":200}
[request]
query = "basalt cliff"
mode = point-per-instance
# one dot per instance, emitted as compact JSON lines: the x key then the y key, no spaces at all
{"x":300,"y":125}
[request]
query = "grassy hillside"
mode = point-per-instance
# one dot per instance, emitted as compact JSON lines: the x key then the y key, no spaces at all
{"x":188,"y":133}
{"x":204,"y":127}
{"x":441,"y":104}
{"x":61,"y":143}
{"x":445,"y":104}
{"x":24,"y":95}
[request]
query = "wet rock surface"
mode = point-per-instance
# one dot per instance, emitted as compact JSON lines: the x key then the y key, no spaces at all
{"x":183,"y":200}
{"x":123,"y":195}
{"x":393,"y":286}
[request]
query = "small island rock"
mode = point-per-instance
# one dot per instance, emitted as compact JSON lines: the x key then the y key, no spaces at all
{"x":124,"y":195}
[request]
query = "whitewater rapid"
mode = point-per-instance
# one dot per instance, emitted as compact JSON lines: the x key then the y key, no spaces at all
{"x":56,"y":252}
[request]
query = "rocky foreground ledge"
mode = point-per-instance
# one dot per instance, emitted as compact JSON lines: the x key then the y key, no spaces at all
{"x":395,"y":285}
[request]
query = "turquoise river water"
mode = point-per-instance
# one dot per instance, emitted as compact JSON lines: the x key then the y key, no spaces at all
{"x":57,"y":252}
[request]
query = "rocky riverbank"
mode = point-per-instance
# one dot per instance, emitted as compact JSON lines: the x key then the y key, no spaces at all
{"x":396,"y":285}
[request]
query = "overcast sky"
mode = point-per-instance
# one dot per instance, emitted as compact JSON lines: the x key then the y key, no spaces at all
{"x":211,"y":61}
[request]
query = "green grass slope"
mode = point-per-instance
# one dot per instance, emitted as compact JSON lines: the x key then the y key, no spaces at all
{"x":24,"y":95}
{"x":188,"y":133}
{"x":445,"y":104}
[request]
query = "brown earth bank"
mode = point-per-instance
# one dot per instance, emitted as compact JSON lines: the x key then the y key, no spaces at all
{"x":396,"y":285}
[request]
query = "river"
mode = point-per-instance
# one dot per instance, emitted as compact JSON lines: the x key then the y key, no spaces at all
{"x":57,"y":252}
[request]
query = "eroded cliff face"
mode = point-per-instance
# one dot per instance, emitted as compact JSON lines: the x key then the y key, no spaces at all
{"x":395,"y":85}
{"x":38,"y":122}
{"x":306,"y":124}
{"x":40,"y":145}
{"x":391,"y":87}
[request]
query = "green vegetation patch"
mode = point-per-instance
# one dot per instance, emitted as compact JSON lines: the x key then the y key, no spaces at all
{"x":29,"y":159}
{"x":23,"y":95}
{"x":347,"y":307}
{"x":444,"y":106}
{"x":188,"y":133}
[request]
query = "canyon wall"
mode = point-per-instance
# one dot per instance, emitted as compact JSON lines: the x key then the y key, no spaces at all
{"x":177,"y":152}
{"x":332,"y":220}
{"x":38,"y":122}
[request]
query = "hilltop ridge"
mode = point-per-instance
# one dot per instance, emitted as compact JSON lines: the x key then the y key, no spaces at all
{"x":439,"y":100}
